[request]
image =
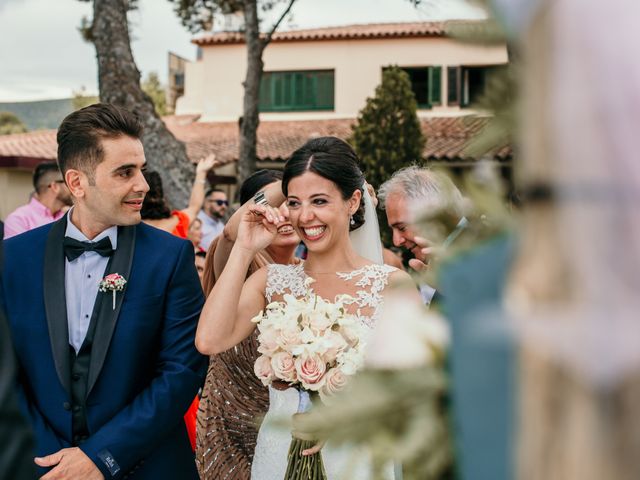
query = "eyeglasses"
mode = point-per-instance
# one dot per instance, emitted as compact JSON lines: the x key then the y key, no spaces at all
{"x":222,"y":202}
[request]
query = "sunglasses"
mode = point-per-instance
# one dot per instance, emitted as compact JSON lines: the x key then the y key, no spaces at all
{"x":222,"y":202}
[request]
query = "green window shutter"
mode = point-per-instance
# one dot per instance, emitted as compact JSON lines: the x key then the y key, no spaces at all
{"x":265,"y":92}
{"x":297,"y":91}
{"x":435,"y":85}
{"x":277,"y":90}
{"x":325,"y":90}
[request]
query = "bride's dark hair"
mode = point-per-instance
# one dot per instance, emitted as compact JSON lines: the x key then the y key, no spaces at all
{"x":333,"y":159}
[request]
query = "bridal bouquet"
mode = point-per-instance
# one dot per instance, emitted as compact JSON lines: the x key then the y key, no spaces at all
{"x":313,"y":345}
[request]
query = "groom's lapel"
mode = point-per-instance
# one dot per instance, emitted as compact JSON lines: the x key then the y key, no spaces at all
{"x":107,"y":315}
{"x":55,"y":302}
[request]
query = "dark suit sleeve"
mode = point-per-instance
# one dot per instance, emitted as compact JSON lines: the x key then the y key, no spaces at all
{"x":137,"y":429}
{"x":16,"y":460}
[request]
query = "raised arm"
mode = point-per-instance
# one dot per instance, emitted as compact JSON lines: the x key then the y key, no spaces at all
{"x":226,"y":317}
{"x":274,"y":196}
{"x":198,"y":189}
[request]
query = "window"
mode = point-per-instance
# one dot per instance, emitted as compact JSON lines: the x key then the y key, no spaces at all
{"x":453,"y":85}
{"x":178,"y":79}
{"x":426,"y":83}
{"x":295,"y":91}
{"x":467,"y":84}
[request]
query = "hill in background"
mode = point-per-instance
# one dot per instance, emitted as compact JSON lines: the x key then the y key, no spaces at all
{"x":42,"y":114}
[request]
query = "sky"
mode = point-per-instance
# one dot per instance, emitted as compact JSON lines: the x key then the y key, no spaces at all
{"x":42,"y":55}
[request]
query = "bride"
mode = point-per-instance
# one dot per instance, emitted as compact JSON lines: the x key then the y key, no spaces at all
{"x":322,"y":184}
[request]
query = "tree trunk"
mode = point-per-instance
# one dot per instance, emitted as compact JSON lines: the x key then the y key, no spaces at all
{"x":251,"y":117}
{"x":119,"y":84}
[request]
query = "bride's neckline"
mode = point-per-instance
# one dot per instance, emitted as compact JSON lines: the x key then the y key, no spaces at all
{"x":338,"y":273}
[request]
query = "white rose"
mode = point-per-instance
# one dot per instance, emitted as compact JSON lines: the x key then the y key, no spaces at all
{"x":289,"y":337}
{"x":319,"y":321}
{"x":333,"y":343}
{"x":350,"y":335}
{"x":350,"y":361}
{"x":405,"y":335}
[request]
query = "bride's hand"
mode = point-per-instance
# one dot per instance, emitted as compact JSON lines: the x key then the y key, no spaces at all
{"x":258,"y":227}
{"x":313,"y":450}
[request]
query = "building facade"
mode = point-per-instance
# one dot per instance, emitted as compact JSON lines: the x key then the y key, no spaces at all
{"x":328,"y":73}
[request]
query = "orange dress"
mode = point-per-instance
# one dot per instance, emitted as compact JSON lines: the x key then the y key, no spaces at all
{"x":181,"y":230}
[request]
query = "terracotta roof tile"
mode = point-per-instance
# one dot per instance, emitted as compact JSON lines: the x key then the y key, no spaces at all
{"x":447,"y":138}
{"x":36,"y":144}
{"x":347,"y":32}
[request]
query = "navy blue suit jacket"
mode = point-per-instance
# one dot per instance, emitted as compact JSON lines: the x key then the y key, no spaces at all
{"x":144,"y":370}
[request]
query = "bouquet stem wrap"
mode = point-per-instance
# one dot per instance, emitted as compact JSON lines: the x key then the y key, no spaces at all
{"x":301,"y":467}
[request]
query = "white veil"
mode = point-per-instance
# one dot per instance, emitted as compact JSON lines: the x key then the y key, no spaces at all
{"x":366,"y":239}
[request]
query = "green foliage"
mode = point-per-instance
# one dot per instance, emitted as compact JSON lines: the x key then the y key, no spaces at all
{"x":11,"y":123}
{"x":387,"y":136}
{"x":152,"y":87}
{"x":197,"y":15}
{"x":80,"y":99}
{"x":396,"y":415}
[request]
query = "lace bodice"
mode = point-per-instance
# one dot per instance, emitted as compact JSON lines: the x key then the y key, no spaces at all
{"x":364,"y":286}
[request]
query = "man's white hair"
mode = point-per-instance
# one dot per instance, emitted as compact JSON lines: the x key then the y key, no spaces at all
{"x":423,"y":188}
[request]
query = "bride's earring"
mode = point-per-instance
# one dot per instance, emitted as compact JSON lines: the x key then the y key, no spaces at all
{"x":352,"y":222}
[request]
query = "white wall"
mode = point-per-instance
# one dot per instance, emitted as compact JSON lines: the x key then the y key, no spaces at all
{"x":15,"y":188}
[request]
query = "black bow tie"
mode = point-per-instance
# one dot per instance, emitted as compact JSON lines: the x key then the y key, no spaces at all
{"x":74,"y":248}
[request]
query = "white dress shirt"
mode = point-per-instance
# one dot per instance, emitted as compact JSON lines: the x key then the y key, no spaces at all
{"x":211,"y":228}
{"x":82,"y":279}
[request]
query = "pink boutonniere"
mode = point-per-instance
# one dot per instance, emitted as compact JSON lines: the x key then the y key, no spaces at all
{"x":113,"y":282}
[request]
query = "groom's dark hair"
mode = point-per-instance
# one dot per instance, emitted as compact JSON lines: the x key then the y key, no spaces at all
{"x":333,"y":159}
{"x":81,"y":132}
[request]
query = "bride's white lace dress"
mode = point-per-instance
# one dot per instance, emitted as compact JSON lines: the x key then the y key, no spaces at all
{"x":365,"y":285}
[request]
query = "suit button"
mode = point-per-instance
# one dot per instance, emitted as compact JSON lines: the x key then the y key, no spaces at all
{"x":66,"y":406}
{"x":76,"y":408}
{"x":76,"y":377}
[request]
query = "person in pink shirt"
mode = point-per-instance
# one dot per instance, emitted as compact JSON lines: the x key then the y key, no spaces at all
{"x":48,"y":203}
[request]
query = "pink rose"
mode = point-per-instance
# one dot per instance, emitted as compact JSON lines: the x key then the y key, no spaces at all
{"x":311,"y":370}
{"x":268,"y":341}
{"x":262,"y":369}
{"x":335,"y":381}
{"x":284,"y":367}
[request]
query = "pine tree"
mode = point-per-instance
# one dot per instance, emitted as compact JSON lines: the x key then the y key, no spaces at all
{"x":387,"y":136}
{"x":152,"y":87}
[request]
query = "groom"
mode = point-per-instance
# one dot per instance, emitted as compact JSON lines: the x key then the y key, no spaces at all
{"x":105,"y":375}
